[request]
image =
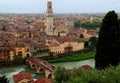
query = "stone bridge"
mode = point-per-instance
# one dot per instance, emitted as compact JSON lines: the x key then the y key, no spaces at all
{"x":41,"y":66}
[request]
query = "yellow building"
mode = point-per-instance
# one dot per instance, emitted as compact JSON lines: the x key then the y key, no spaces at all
{"x":56,"y":48}
{"x":65,"y":45}
{"x":20,"y":50}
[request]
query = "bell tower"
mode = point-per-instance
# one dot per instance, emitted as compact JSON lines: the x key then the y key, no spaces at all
{"x":49,"y":19}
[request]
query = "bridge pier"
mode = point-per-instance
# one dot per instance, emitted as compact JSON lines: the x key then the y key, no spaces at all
{"x":53,"y":75}
{"x":32,"y":66}
{"x":49,"y":74}
{"x":37,"y":69}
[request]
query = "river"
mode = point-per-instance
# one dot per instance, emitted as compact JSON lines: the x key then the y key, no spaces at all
{"x":10,"y":71}
{"x":76,"y":64}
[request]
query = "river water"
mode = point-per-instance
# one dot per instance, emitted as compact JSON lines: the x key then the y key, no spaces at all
{"x":9,"y":72}
{"x":76,"y":64}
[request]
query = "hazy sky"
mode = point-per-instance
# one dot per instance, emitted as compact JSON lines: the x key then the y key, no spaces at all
{"x":59,"y":6}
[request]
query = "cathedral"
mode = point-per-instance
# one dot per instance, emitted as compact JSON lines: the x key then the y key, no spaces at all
{"x":50,"y":29}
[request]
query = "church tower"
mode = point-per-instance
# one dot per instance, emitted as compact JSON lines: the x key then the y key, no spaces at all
{"x":49,"y":19}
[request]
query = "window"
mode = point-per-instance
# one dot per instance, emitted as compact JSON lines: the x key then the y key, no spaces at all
{"x":49,"y":6}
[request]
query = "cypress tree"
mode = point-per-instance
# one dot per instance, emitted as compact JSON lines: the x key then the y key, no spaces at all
{"x":3,"y":79}
{"x":108,"y":48}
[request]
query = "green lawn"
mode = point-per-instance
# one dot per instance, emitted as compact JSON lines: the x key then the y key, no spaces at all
{"x":74,"y":57}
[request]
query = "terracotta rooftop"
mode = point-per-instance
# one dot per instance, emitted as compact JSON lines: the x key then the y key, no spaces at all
{"x":86,"y":67}
{"x":7,"y":45}
{"x":68,"y":39}
{"x":18,"y":77}
{"x":92,"y":33}
{"x":54,"y":44}
{"x":40,"y":24}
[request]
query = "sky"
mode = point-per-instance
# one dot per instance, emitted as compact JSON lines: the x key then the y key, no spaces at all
{"x":59,"y":6}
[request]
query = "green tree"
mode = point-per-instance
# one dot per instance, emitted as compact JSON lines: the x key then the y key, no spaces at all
{"x":4,"y":28}
{"x":92,"y":25}
{"x":108,"y":42}
{"x":86,"y":43}
{"x":18,"y":59}
{"x":93,"y":41}
{"x":61,"y":75}
{"x":3,"y":79}
{"x":51,"y":55}
{"x":77,"y":24}
{"x":108,"y":75}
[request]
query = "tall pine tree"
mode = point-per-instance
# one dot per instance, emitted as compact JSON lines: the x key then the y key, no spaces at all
{"x":108,"y":48}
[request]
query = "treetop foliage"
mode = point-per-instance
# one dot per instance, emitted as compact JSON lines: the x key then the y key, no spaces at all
{"x":108,"y":75}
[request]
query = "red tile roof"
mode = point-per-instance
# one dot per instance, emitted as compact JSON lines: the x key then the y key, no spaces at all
{"x":68,"y":39}
{"x":54,"y":44}
{"x":40,"y":24}
{"x":21,"y":76}
{"x":7,"y":45}
{"x":48,"y":37}
{"x":43,"y":80}
{"x":92,"y":33}
{"x":86,"y":67}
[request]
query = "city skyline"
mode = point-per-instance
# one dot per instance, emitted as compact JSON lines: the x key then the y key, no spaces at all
{"x":59,"y":6}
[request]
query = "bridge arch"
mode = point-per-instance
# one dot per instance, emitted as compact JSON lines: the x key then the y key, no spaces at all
{"x":41,"y":66}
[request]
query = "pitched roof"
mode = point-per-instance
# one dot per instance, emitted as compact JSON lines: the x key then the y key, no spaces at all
{"x":54,"y":44}
{"x":86,"y":67}
{"x":18,"y":77}
{"x":42,"y":24}
{"x":92,"y":33}
{"x":68,"y":39}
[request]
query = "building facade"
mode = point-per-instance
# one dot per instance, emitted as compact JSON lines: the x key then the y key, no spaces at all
{"x":66,"y":45}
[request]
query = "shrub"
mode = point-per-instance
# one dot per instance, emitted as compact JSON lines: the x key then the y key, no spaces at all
{"x":108,"y":75}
